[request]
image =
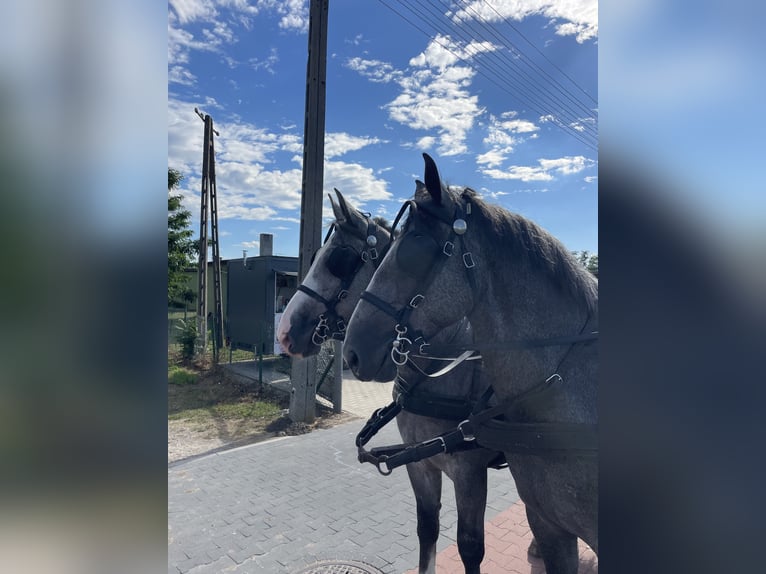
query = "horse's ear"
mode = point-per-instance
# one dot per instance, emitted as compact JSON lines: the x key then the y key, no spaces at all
{"x":419,"y":186}
{"x":433,"y":181}
{"x":339,"y":215}
{"x":345,"y":212}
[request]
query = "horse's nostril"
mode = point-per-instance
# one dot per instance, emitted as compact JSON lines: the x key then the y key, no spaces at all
{"x":352,"y":360}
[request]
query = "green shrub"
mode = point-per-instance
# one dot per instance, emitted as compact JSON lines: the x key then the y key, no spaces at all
{"x":187,"y":337}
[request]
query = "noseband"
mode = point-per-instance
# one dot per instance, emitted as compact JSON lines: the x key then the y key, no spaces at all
{"x":344,"y":263}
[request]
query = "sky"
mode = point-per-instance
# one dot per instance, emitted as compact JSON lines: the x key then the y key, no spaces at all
{"x":501,"y":93}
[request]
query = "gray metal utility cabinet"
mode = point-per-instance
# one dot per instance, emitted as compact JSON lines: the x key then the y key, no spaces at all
{"x":258,"y":290}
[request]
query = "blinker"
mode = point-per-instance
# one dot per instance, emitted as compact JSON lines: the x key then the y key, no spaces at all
{"x":372,"y":241}
{"x":343,"y":261}
{"x":460,"y":226}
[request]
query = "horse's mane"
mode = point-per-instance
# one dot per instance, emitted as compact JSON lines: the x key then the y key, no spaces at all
{"x":382,"y":222}
{"x":529,"y":244}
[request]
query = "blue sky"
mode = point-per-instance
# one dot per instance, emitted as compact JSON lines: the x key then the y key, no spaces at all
{"x":501,"y":93}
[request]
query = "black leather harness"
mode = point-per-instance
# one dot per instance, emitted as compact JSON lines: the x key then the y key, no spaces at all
{"x":482,"y":425}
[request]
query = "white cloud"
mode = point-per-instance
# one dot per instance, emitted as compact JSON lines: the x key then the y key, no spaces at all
{"x":434,"y":92}
{"x":492,"y":158}
{"x":356,"y":182}
{"x":295,"y":13}
{"x":426,"y":142}
{"x":578,"y":18}
{"x":443,"y":52}
{"x":340,"y":143}
{"x":435,"y":95}
{"x":248,"y":187}
{"x":545,"y":171}
{"x":523,"y":173}
{"x":374,"y":70}
{"x":266,"y":64}
{"x":217,"y":32}
{"x":191,"y":10}
{"x":566,"y":165}
{"x":503,"y":134}
{"x":180,"y":75}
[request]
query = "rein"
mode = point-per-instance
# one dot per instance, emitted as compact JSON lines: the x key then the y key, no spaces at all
{"x":429,"y":351}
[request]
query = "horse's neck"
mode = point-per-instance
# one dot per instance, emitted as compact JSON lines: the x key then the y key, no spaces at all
{"x":521,"y":305}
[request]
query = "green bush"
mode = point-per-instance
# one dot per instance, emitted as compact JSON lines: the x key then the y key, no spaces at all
{"x":187,"y":337}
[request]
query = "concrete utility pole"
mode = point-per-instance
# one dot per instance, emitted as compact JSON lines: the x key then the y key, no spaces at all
{"x":304,"y":375}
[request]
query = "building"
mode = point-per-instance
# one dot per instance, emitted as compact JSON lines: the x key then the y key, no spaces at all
{"x":255,"y":291}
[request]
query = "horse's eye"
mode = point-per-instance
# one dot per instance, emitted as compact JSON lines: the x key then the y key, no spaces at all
{"x":343,"y":261}
{"x":416,"y":253}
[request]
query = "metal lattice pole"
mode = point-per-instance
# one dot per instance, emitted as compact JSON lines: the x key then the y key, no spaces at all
{"x":209,"y":202}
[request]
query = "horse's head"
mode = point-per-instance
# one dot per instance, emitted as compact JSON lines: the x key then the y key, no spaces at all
{"x":339,"y":272}
{"x":423,"y":284}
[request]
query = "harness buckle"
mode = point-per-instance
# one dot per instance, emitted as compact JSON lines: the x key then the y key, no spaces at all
{"x":435,"y":440}
{"x":448,"y":249}
{"x":365,"y":256}
{"x":416,"y":300}
{"x":422,"y":350}
{"x":468,"y":260}
{"x":470,"y":436}
{"x":341,"y":325}
{"x":373,"y":253}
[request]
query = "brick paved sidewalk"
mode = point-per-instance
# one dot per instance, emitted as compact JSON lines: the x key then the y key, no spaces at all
{"x":506,"y":539}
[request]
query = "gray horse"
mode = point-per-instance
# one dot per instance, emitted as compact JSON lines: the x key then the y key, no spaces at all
{"x":341,"y":270}
{"x":534,"y":310}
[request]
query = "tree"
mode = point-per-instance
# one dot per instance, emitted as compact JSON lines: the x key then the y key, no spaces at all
{"x":588,"y":260}
{"x":182,"y":248}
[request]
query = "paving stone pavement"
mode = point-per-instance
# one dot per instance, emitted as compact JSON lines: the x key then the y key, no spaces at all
{"x":280,"y":505}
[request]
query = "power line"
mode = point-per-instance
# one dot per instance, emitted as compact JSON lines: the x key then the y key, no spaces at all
{"x":516,"y":82}
{"x":515,"y":29}
{"x":530,"y":63}
{"x":502,"y":69}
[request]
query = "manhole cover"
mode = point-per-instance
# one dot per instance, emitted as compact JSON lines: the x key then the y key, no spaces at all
{"x":339,"y":567}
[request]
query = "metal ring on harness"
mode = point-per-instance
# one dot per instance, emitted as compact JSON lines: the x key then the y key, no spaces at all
{"x":398,"y":356}
{"x":470,"y":436}
{"x":379,"y":464}
{"x":320,"y":332}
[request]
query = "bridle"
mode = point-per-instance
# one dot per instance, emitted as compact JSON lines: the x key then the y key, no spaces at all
{"x":425,"y":247}
{"x":344,"y":262}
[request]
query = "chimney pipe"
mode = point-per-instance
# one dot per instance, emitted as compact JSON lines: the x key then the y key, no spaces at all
{"x":267,"y":244}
